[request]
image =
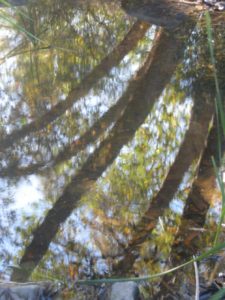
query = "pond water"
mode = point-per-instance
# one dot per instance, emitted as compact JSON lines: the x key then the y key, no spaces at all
{"x":108,"y":128}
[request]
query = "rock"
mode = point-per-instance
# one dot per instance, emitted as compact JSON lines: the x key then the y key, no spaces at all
{"x":125,"y":291}
{"x":31,"y":290}
{"x":220,"y":6}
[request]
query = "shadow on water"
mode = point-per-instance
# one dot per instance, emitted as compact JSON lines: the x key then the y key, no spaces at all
{"x":108,"y":127}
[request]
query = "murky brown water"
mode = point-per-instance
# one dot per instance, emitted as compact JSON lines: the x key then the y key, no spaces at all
{"x":107,"y":128}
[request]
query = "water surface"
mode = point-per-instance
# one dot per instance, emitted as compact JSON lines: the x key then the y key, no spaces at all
{"x":107,"y":129}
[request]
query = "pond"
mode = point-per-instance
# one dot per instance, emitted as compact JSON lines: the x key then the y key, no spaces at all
{"x":111,"y":144}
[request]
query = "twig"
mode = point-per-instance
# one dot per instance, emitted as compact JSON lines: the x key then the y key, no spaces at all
{"x":196,"y":279}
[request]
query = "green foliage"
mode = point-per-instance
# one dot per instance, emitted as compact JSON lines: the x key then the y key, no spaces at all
{"x":219,"y":295}
{"x":220,"y":122}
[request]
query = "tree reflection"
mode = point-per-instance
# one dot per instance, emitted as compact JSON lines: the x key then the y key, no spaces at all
{"x":121,"y":200}
{"x":129,"y":42}
{"x":141,"y":99}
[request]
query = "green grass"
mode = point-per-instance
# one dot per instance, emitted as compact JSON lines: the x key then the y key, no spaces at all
{"x":220,"y":117}
{"x":206,"y":254}
{"x":10,"y":21}
{"x":218,"y":295}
